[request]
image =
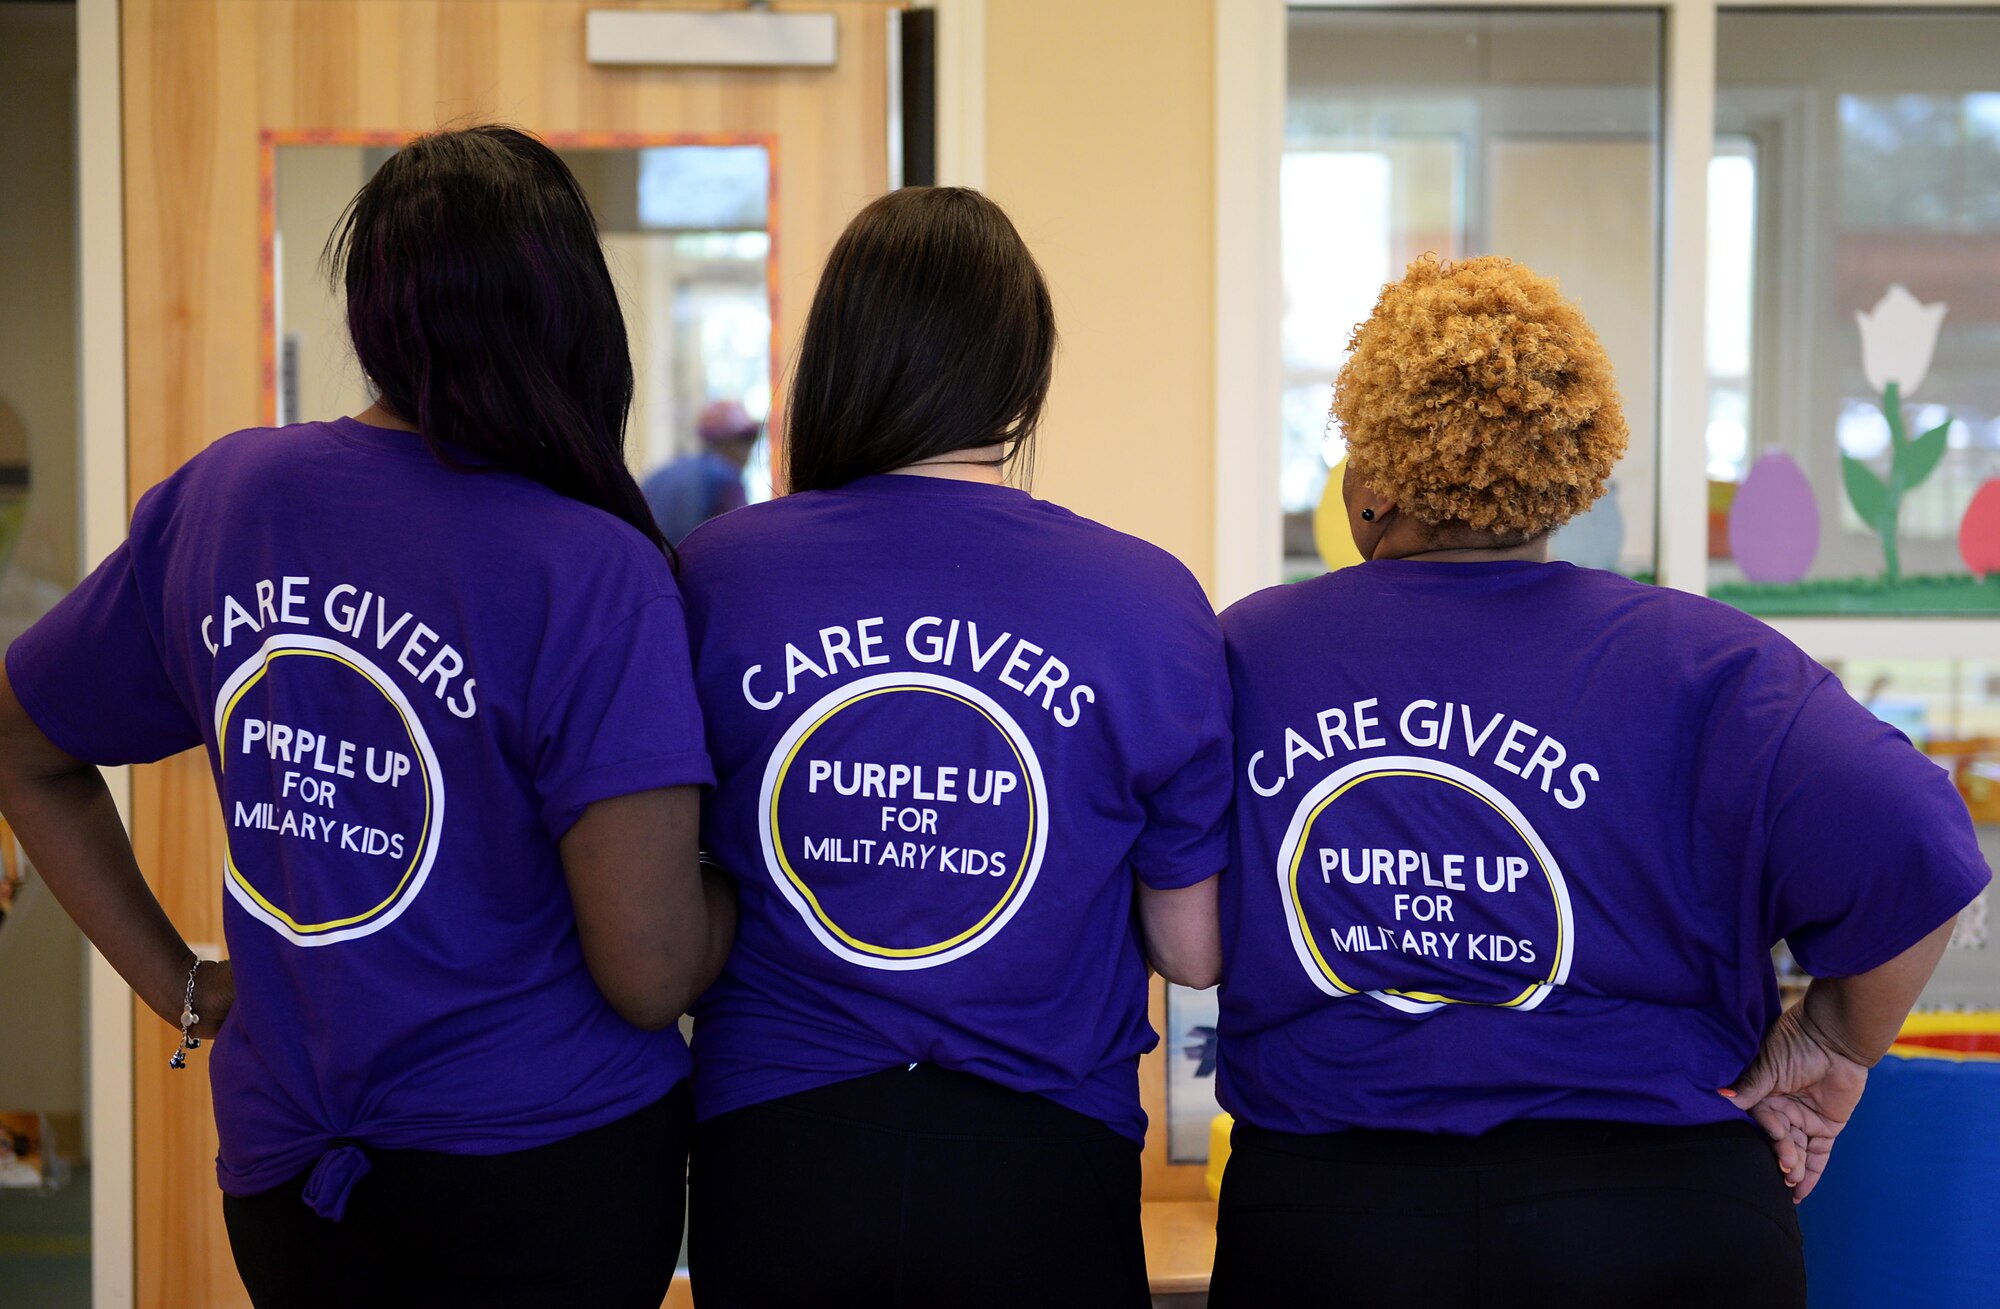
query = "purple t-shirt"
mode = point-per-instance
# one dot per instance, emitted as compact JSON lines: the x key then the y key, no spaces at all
{"x":951,"y":724}
{"x":1515,"y":840}
{"x":410,"y":681}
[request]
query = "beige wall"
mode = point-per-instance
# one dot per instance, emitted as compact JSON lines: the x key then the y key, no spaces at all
{"x":1100,"y":143}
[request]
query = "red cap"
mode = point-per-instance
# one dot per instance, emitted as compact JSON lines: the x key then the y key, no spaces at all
{"x":725,"y":420}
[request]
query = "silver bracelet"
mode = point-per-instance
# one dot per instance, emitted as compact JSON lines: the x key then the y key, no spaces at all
{"x":189,"y":1041}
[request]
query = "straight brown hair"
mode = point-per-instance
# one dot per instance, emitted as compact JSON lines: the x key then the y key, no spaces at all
{"x":931,"y":331}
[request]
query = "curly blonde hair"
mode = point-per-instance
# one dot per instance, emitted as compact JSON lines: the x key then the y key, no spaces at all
{"x":1477,"y":396}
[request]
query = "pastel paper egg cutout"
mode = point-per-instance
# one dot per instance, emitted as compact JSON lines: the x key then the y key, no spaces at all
{"x":1979,"y":532}
{"x":1774,"y":522}
{"x":1595,"y":537}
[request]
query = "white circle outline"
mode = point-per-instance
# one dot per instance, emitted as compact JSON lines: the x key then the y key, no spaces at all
{"x":1295,"y":833}
{"x":394,"y":694}
{"x":852,"y":690}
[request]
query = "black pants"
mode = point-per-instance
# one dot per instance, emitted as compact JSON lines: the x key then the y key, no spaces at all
{"x":593,"y":1220}
{"x":912,"y":1188}
{"x":1542,"y":1214}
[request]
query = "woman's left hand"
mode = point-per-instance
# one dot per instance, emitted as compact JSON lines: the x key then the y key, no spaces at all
{"x":1801,"y":1092}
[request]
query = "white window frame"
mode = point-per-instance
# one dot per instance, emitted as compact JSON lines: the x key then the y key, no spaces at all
{"x":103,"y":498}
{"x":1250,"y":86}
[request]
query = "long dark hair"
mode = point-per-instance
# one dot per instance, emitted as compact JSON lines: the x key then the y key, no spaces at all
{"x":931,"y":331}
{"x":481,"y":309}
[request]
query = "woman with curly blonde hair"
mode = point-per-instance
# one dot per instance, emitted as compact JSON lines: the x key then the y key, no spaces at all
{"x":1514,"y":840}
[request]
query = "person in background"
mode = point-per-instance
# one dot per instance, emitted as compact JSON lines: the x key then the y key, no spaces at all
{"x":972,"y":759}
{"x":437,"y":659}
{"x":1514,"y":843}
{"x":694,"y":488}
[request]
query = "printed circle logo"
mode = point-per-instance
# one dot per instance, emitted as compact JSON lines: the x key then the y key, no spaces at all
{"x":1417,"y":883}
{"x":904,"y":816}
{"x":330,"y":788}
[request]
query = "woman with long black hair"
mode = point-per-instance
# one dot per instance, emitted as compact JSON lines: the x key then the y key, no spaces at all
{"x":437,"y":658}
{"x":971,"y":754}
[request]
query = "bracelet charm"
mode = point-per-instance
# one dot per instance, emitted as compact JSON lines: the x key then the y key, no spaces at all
{"x":189,"y":1041}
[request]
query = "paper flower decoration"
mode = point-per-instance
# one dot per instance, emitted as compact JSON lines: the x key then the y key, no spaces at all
{"x":1898,"y":338}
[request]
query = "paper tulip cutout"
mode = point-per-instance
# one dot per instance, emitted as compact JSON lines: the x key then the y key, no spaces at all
{"x":1774,"y":521}
{"x":1898,"y":338}
{"x":1979,"y":534}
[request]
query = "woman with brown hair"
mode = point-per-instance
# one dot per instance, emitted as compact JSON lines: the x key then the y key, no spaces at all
{"x":1514,"y":841}
{"x":972,"y":772}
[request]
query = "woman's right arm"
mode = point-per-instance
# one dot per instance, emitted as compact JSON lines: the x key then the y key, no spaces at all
{"x":655,"y":921}
{"x":1813,"y":1064}
{"x":62,"y":811}
{"x":1870,"y":855}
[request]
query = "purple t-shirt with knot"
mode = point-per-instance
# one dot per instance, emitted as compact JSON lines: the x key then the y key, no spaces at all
{"x":953,"y":727}
{"x":410,"y":681}
{"x":1515,"y":840}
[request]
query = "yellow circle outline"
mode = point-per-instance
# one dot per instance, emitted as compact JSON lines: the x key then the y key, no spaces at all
{"x":229,"y":855}
{"x":826,"y":920}
{"x":1310,"y":937}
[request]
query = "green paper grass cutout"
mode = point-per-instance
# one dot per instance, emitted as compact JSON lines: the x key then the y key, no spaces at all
{"x":1946,"y":593}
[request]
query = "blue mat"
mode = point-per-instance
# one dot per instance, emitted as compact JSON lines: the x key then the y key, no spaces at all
{"x":1909,"y":1210}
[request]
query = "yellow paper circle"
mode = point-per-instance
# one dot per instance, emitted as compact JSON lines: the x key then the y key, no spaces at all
{"x":1330,"y":532}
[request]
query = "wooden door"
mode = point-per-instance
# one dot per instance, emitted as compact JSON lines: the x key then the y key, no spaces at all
{"x":206,"y":82}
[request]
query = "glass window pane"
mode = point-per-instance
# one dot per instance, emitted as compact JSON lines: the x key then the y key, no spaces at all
{"x":1854,"y":223}
{"x":704,"y":188}
{"x":1529,"y":134}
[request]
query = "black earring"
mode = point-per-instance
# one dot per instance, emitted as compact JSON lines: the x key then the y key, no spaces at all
{"x":1368,"y":515}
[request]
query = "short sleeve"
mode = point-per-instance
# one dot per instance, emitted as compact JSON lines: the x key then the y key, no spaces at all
{"x":1186,"y":839}
{"x":91,"y":675}
{"x":1870,"y":847}
{"x":625,"y":720}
